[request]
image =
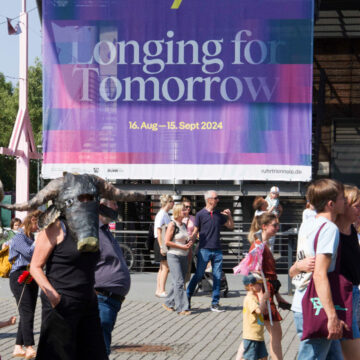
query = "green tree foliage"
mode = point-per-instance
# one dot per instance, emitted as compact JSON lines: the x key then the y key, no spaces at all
{"x":9,"y":100}
{"x":8,"y":110}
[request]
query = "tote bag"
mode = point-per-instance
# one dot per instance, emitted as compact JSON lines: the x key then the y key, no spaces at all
{"x":314,"y":316}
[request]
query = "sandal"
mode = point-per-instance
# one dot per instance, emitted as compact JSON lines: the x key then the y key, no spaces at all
{"x":168,"y":308}
{"x":19,"y":352}
{"x":30,"y":354}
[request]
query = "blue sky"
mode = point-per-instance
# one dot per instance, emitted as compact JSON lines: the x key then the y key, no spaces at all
{"x":9,"y":45}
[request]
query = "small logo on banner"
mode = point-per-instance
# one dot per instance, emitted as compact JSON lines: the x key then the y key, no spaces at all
{"x":176,"y":4}
{"x":60,"y":3}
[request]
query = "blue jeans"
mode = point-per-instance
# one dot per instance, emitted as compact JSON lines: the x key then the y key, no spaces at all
{"x":316,"y":349}
{"x":355,"y":302}
{"x":203,"y":257}
{"x":108,"y":310}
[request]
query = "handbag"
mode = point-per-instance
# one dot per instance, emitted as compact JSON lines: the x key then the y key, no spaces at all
{"x":314,"y":316}
{"x":164,"y":248}
{"x":5,"y":265}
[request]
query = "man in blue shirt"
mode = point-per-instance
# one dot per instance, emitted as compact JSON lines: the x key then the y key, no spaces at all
{"x":112,"y":277}
{"x":208,"y":223}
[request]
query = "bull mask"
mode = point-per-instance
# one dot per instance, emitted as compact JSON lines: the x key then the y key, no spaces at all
{"x":76,"y":197}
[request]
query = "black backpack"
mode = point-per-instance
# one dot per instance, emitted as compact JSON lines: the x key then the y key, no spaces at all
{"x":150,"y":238}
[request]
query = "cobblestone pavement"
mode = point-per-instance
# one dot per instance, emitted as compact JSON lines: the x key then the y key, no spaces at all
{"x":143,"y":321}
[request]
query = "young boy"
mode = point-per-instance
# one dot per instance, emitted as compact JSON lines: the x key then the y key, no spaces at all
{"x":273,"y":201}
{"x":253,"y":321}
{"x":327,"y":197}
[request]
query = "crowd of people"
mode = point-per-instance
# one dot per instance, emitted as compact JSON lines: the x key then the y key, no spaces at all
{"x":326,"y":268}
{"x":82,"y":292}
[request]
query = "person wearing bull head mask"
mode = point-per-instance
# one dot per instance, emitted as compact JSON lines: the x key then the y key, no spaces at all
{"x":69,"y":303}
{"x":68,"y":246}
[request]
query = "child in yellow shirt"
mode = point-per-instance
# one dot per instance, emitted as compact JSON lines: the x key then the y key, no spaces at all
{"x":253,"y":321}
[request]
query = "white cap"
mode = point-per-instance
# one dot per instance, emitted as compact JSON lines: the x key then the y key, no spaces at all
{"x":275,"y":190}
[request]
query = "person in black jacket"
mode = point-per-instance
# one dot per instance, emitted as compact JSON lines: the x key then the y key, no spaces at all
{"x":349,"y":263}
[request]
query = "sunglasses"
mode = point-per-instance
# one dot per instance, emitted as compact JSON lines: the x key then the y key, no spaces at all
{"x":275,"y":225}
{"x":187,"y":207}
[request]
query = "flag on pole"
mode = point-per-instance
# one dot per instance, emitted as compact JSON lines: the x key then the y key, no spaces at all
{"x":11,"y":29}
{"x":251,"y":262}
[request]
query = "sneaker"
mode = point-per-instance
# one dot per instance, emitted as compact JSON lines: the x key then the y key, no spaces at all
{"x":216,"y":308}
{"x":161,"y":295}
{"x":168,"y":308}
{"x":185,"y":312}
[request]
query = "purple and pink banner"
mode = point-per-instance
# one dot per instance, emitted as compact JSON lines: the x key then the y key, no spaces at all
{"x":191,"y":89}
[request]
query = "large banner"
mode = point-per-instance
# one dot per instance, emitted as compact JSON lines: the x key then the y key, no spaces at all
{"x":178,"y":89}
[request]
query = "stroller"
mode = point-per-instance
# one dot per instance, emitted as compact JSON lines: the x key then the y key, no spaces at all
{"x":205,"y":285}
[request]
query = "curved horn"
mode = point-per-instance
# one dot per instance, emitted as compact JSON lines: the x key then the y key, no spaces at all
{"x":109,"y":191}
{"x":49,"y":192}
{"x":1,"y":191}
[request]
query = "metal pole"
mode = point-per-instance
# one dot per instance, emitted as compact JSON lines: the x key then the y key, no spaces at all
{"x":23,"y":162}
{"x":290,"y":260}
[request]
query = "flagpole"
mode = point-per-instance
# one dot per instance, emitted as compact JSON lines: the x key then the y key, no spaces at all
{"x":23,"y":162}
{"x":267,"y":293}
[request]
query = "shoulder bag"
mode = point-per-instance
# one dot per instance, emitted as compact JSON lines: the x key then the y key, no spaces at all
{"x":314,"y":316}
{"x":164,"y":248}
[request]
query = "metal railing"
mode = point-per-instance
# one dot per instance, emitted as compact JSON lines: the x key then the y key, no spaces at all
{"x":235,"y":246}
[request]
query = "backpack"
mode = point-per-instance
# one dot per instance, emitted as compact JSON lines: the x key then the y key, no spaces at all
{"x":150,"y":238}
{"x":163,"y":232}
{"x":5,"y":265}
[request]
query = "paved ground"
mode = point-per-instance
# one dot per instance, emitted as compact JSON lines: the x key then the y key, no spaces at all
{"x":143,"y":321}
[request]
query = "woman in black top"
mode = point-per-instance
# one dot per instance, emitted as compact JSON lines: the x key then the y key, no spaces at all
{"x":70,"y":328}
{"x":349,"y":264}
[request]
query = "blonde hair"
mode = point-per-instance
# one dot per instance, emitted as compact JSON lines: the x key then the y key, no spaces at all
{"x":177,"y":209}
{"x":164,"y":199}
{"x":266,"y":219}
{"x":254,"y":227}
{"x":26,"y":225}
{"x":352,"y":194}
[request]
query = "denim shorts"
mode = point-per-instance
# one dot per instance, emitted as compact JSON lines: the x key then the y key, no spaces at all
{"x":254,"y":350}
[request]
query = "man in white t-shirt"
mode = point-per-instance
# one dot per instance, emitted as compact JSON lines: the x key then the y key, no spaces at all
{"x":327,"y":196}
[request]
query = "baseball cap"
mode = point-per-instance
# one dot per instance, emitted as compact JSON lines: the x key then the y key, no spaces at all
{"x":275,"y":190}
{"x":257,"y":277}
{"x":249,"y":279}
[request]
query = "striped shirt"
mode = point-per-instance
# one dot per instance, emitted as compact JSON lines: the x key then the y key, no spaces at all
{"x":21,"y":249}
